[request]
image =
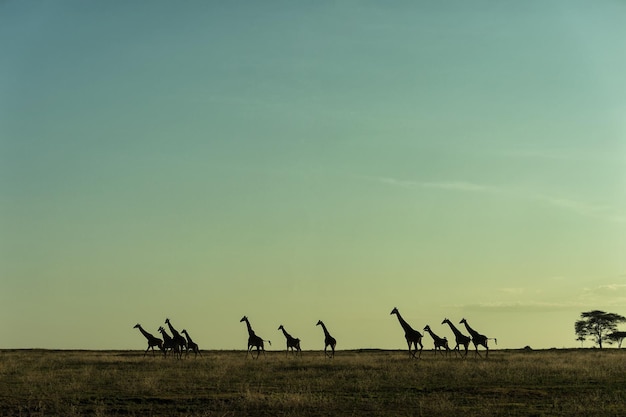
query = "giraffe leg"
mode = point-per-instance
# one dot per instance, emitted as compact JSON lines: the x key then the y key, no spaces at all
{"x":477,"y":353}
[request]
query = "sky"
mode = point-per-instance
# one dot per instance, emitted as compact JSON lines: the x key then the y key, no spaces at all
{"x":297,"y":161}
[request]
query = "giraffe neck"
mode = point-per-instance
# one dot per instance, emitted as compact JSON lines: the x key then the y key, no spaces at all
{"x":250,"y":331}
{"x":454,"y":329}
{"x":145,"y":333}
{"x":324,"y":328}
{"x":166,"y":336}
{"x":403,"y":323}
{"x":469,"y":329}
{"x":287,"y":335}
{"x":173,"y":330}
{"x":188,"y":338}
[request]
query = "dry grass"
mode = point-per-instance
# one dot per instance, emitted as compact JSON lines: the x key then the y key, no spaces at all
{"x":383,"y":383}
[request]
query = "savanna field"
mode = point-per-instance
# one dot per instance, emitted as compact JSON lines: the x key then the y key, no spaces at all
{"x":585,"y":382}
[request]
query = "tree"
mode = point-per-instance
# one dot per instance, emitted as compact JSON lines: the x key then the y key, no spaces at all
{"x":598,"y":325}
{"x":617,"y":337}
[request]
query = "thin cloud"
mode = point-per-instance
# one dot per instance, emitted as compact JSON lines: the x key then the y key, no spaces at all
{"x":461,"y":186}
{"x":608,"y":296}
{"x":584,"y":209}
{"x":612,"y":287}
{"x":538,"y":154}
{"x":604,"y":212}
{"x":526,"y":307}
{"x":442,"y":185}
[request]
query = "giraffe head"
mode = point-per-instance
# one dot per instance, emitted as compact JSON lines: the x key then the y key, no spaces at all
{"x":184,"y":331}
{"x":244,"y":318}
{"x":281,"y":327}
{"x":445,"y":321}
{"x":427,"y":328}
{"x":463,"y":321}
{"x":136,"y":326}
{"x":319,"y":323}
{"x":167,"y":321}
{"x":394,"y":311}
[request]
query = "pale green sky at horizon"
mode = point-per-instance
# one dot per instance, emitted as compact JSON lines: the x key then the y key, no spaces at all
{"x":297,"y":161}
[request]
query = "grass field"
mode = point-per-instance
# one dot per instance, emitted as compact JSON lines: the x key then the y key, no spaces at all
{"x":386,"y":383}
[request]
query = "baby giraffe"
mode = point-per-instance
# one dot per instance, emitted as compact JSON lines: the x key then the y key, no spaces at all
{"x":191,"y":345}
{"x":440,"y":342}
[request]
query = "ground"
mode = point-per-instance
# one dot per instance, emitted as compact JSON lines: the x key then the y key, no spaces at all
{"x":583,"y":382}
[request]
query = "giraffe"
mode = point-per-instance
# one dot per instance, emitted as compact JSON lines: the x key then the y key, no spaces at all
{"x":478,"y":339}
{"x":293,"y":343}
{"x":191,"y":344}
{"x":328,"y":340}
{"x":461,"y":339}
{"x":152,"y":340}
{"x":254,"y":340}
{"x":440,"y":342}
{"x":168,"y":343}
{"x":413,"y":337}
{"x":178,"y":339}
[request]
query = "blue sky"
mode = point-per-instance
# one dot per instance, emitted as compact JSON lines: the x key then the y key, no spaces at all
{"x":297,"y":161}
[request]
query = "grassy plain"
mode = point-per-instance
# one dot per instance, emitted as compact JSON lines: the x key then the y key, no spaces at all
{"x":383,"y":383}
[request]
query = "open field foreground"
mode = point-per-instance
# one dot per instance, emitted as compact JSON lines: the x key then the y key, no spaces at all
{"x":384,"y":383}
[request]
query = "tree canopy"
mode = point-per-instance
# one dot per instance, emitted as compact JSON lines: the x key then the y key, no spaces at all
{"x":617,"y":337}
{"x":598,"y":325}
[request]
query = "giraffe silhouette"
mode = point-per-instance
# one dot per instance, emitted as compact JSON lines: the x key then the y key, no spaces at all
{"x":461,"y":339}
{"x":254,"y":340}
{"x":168,"y":343}
{"x":328,"y":340}
{"x":293,"y":343}
{"x":178,"y":339}
{"x":191,"y":345}
{"x":152,"y":340}
{"x":440,"y":342}
{"x":412,"y":336}
{"x":478,"y":339}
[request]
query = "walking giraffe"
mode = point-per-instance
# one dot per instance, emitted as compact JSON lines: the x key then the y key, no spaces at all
{"x":191,"y":345}
{"x":254,"y":340}
{"x":461,"y":339}
{"x":168,"y":343}
{"x":152,"y":340}
{"x":412,"y":336}
{"x":328,"y":340}
{"x":178,"y":339}
{"x":293,"y":343}
{"x":440,"y":342}
{"x":478,"y":339}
